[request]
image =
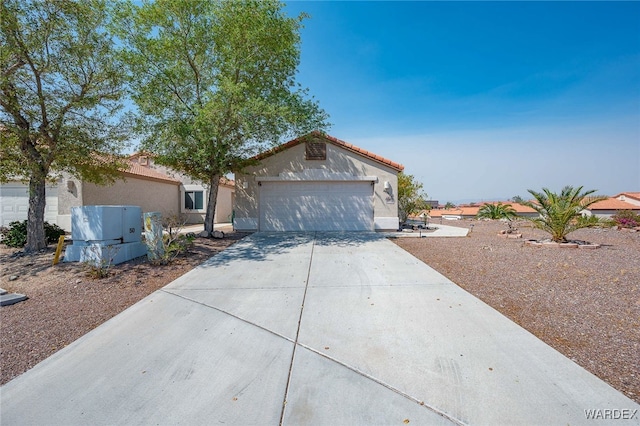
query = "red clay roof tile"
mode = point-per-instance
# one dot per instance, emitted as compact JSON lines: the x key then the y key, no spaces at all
{"x":613,"y":204}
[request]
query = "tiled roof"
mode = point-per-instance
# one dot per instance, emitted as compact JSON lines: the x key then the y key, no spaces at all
{"x":473,"y":210}
{"x":634,"y":195}
{"x":349,"y":147}
{"x":145,"y":172}
{"x":459,"y":211}
{"x":613,"y":204}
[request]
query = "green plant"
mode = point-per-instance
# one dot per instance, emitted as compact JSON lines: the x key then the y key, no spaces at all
{"x":626,"y":219}
{"x":560,"y":214}
{"x":411,"y":198}
{"x":163,"y":238}
{"x":99,"y":260}
{"x":496,"y":211}
{"x":16,"y":234}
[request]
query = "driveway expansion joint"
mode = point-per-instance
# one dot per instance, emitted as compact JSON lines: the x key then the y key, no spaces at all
{"x":295,"y":343}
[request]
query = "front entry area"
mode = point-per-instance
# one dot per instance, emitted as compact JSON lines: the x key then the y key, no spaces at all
{"x":316,"y":206}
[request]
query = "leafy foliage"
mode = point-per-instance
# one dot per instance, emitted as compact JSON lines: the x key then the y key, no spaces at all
{"x":560,"y":214}
{"x":411,"y":198}
{"x":214,"y":82}
{"x":16,"y":234}
{"x":496,"y":211}
{"x":60,"y":92}
{"x":100,"y":260}
{"x":162,"y":250}
{"x":626,"y":219}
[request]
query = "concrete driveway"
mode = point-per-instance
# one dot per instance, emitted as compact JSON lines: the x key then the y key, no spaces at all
{"x":314,"y":329}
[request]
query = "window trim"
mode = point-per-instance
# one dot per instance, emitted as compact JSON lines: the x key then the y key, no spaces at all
{"x":193,"y":189}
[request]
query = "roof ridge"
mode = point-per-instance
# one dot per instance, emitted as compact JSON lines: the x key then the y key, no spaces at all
{"x":346,"y":145}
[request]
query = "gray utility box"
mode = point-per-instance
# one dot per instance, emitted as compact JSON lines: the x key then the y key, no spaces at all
{"x":104,"y":234}
{"x":117,"y":224}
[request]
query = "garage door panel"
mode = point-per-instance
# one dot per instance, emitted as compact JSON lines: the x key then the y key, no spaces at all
{"x":14,"y":199}
{"x":316,"y":206}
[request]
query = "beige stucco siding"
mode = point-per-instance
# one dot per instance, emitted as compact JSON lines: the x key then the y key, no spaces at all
{"x":291,"y":164}
{"x":224,"y":204}
{"x":151,"y":196}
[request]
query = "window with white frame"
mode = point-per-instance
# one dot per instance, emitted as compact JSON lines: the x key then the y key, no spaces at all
{"x":193,"y":198}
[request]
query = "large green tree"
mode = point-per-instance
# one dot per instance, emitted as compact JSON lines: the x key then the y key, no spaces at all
{"x":411,"y":198}
{"x":561,"y":214}
{"x":215,"y":83}
{"x":60,"y":91}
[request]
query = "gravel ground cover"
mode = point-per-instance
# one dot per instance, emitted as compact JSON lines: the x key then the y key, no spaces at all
{"x":584,"y":303}
{"x":65,"y":303}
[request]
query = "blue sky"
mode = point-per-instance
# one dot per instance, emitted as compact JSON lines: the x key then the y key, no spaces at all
{"x":483,"y":100}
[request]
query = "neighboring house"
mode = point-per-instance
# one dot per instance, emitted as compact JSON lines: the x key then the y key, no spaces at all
{"x":609,"y":207}
{"x":14,"y":202}
{"x":318,"y":183}
{"x":629,"y":197}
{"x":193,"y":194}
{"x":140,"y":185}
{"x":470,"y":212}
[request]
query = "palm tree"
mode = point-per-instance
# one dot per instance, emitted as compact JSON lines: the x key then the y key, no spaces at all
{"x":496,"y":211}
{"x":560,"y":213}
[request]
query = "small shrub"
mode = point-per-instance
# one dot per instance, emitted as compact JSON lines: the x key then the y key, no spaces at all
{"x":52,"y":232}
{"x":626,"y":219}
{"x":173,"y":244}
{"x":99,"y":260}
{"x":16,"y":234}
{"x":594,"y":222}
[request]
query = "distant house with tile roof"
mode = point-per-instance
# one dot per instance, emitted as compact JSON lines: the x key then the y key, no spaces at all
{"x":610,"y":206}
{"x":470,"y":212}
{"x":629,"y":197}
{"x":141,"y":184}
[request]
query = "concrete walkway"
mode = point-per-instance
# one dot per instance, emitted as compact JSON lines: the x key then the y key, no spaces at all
{"x":295,"y":329}
{"x":441,"y":231}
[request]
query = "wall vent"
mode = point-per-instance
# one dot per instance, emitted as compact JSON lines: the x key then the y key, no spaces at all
{"x":316,"y":150}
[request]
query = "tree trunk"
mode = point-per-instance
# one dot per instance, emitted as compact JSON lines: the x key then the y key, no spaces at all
{"x":209,"y":217}
{"x":35,"y":218}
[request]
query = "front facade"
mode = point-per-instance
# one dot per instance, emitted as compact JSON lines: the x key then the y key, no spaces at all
{"x":141,"y":184}
{"x":317,"y":183}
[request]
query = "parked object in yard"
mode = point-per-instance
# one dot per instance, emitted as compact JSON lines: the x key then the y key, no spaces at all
{"x":105,"y":233}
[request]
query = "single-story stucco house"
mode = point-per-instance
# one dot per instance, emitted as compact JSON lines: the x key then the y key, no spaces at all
{"x":470,"y":212}
{"x":629,"y":197}
{"x":317,"y":183}
{"x":609,"y":207}
{"x":141,"y":184}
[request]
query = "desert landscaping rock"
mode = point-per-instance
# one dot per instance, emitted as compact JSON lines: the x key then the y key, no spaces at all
{"x":581,"y":302}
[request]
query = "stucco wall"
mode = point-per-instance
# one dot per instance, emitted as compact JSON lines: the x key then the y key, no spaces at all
{"x":69,"y":195}
{"x":224,"y":204}
{"x":151,"y":196}
{"x":338,"y":160}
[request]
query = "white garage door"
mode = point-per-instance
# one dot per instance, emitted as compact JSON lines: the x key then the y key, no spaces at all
{"x":316,"y":206}
{"x":14,"y":203}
